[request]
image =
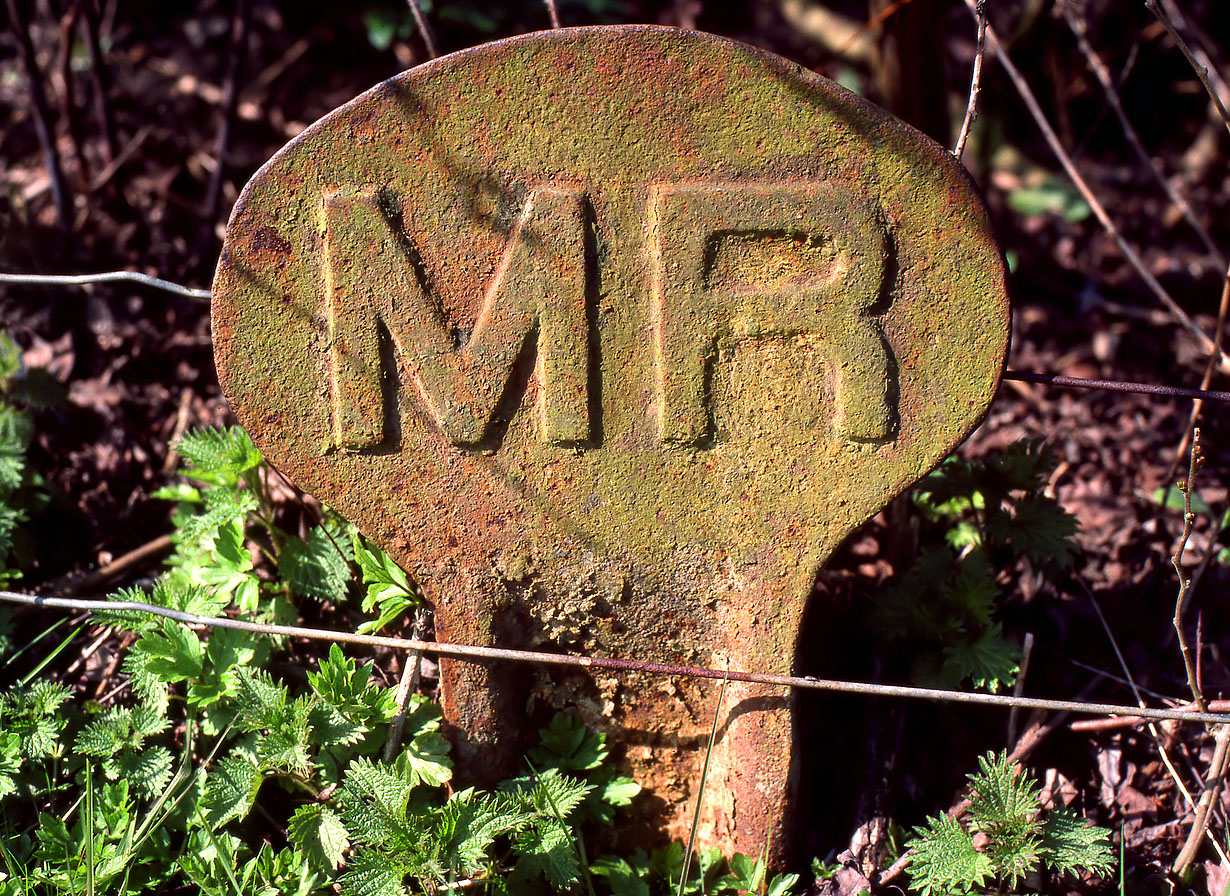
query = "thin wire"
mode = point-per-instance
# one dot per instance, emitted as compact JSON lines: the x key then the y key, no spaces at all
{"x":471,"y":653}
{"x":1047,"y":379}
{"x":108,"y":277}
{"x":1022,"y":376}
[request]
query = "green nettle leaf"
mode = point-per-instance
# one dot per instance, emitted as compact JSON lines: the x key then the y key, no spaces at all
{"x":1069,"y":843}
{"x":319,"y":568}
{"x":319,"y":833}
{"x":425,"y":759}
{"x":174,"y":651}
{"x":568,"y":746}
{"x":987,"y":661}
{"x":148,"y":771}
{"x":218,"y":456}
{"x":1004,"y":809}
{"x":10,"y":761}
{"x":230,"y":789}
{"x":388,"y":589}
{"x":1001,"y":794}
{"x":31,"y":712}
{"x":370,"y":874}
{"x":1038,"y":528}
{"x":547,"y":848}
{"x":621,"y":877}
{"x":468,"y":825}
{"x":945,"y":859}
{"x":374,"y":801}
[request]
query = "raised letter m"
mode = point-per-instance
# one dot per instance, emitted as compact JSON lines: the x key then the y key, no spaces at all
{"x":539,"y":285}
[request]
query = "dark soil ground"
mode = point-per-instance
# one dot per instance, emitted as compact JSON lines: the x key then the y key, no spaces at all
{"x":138,"y":368}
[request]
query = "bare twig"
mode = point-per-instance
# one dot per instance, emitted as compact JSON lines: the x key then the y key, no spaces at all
{"x":1201,"y":69}
{"x":1099,"y":725}
{"x":552,"y":12}
{"x":1184,"y":582}
{"x":975,"y":84}
{"x":120,"y":564}
{"x":1099,"y":211}
{"x":42,"y":113}
{"x":420,"y":21}
{"x":1223,"y":311}
{"x":102,"y":81}
{"x":473,"y":653}
{"x":1212,"y":789}
{"x":108,"y":277}
{"x":1079,"y":27}
{"x":226,"y":116}
{"x":408,"y":684}
{"x":68,"y":102}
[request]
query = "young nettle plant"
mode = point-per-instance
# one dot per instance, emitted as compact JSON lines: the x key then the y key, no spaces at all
{"x":22,"y":490}
{"x":1005,"y":838}
{"x":984,"y":522}
{"x":214,"y":772}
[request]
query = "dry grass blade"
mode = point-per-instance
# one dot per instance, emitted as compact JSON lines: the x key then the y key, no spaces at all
{"x":700,"y":790}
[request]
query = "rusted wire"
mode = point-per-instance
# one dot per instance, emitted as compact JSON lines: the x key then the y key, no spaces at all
{"x":108,"y":277}
{"x":1072,"y":382}
{"x":1023,"y":376}
{"x":475,"y":654}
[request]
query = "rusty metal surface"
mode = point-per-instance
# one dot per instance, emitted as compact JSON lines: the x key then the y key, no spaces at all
{"x":609,"y":336}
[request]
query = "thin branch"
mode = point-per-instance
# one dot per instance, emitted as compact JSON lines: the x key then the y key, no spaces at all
{"x":1079,"y":28}
{"x":1219,"y":331}
{"x":101,"y":79}
{"x":1184,"y":582}
{"x":553,"y":13}
{"x":420,"y":22}
{"x":1212,"y":790}
{"x":472,"y":653}
{"x":1202,"y":70}
{"x":1099,"y":211}
{"x":975,"y":85}
{"x":42,"y":113}
{"x":108,"y":277}
{"x":230,"y":101}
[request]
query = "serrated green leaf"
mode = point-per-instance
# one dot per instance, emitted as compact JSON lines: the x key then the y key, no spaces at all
{"x":218,"y":456}
{"x":945,"y":859}
{"x":230,"y":789}
{"x":389,"y":591}
{"x":566,"y":744}
{"x":425,"y":759}
{"x":174,"y":651}
{"x":319,"y":833}
{"x":1069,"y":843}
{"x":369,"y":874}
{"x":989,"y":661}
{"x":148,"y":771}
{"x":319,"y":568}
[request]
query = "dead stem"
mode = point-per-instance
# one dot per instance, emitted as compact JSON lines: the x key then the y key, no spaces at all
{"x":1079,"y":27}
{"x":975,"y":82}
{"x":429,"y":40}
{"x":1099,"y":211}
{"x":42,"y":114}
{"x":1185,"y":583}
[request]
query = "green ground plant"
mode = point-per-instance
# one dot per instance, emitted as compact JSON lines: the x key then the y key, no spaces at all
{"x":212,"y":770}
{"x":22,"y":491}
{"x":984,"y":523}
{"x":1006,"y":838}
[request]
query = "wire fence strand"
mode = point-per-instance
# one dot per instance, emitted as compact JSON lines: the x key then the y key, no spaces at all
{"x":476,"y":654}
{"x":108,"y":277}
